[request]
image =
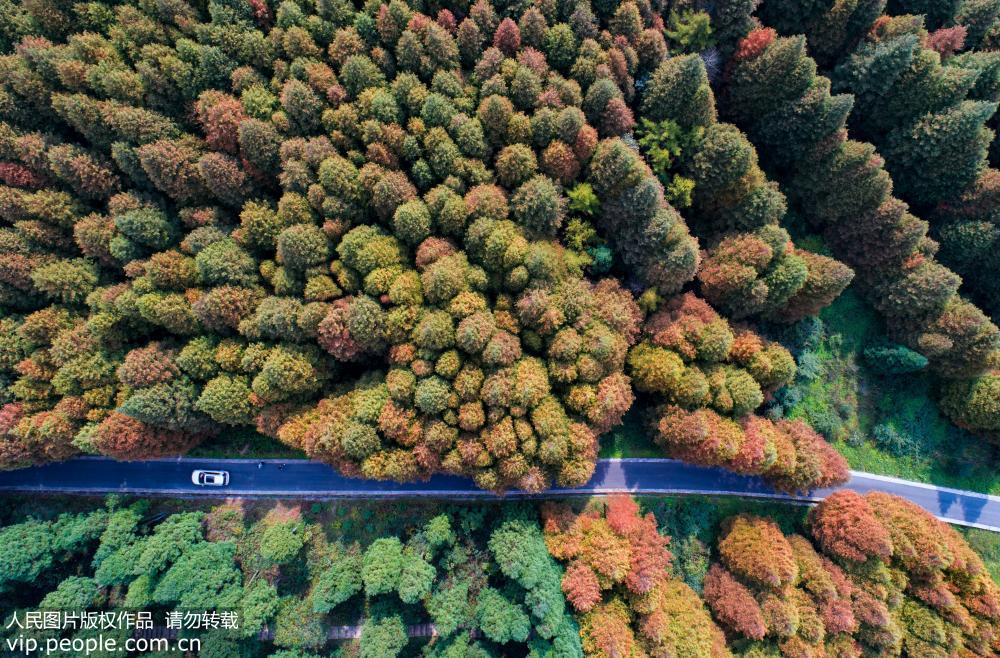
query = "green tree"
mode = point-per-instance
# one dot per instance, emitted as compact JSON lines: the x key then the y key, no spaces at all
{"x":338,"y":583}
{"x":415,"y":579}
{"x":385,"y":636}
{"x":450,"y":608}
{"x":74,"y":593}
{"x":28,"y":553}
{"x":258,"y":605}
{"x":500,"y":619}
{"x":382,"y":566}
{"x":297,"y":626}
{"x":281,"y":541}
{"x":203,"y":578}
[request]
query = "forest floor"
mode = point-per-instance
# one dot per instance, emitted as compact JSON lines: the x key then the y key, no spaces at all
{"x":888,"y":425}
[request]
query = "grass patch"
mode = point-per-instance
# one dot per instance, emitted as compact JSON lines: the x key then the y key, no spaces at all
{"x":888,"y":425}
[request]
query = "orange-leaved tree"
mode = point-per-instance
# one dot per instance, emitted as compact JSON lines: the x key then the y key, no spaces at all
{"x":618,"y":579}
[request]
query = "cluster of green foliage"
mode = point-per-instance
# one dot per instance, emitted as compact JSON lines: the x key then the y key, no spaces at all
{"x":926,"y":82}
{"x":690,"y":577}
{"x":751,"y":267}
{"x":483,"y":577}
{"x":845,"y":188}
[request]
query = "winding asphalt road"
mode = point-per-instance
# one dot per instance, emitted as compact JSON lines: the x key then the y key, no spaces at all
{"x":313,"y":480}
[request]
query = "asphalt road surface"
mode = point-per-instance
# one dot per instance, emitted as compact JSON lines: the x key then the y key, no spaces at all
{"x":305,"y":479}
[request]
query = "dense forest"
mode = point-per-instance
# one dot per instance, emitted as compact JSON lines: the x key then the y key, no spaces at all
{"x":856,"y":576}
{"x":495,"y":239}
{"x":412,"y":238}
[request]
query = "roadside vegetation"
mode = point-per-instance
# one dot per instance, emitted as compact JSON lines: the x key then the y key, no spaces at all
{"x":882,"y":422}
{"x":601,"y":577}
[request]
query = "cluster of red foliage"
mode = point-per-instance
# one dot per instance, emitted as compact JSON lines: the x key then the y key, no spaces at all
{"x":789,"y":453}
{"x":618,"y":577}
{"x":879,"y":576}
{"x":124,"y":437}
{"x":755,"y":43}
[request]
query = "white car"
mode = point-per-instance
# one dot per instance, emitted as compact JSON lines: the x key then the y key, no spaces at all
{"x":210,"y":478}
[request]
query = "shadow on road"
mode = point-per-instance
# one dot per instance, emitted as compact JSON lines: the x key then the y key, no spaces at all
{"x":971,"y":506}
